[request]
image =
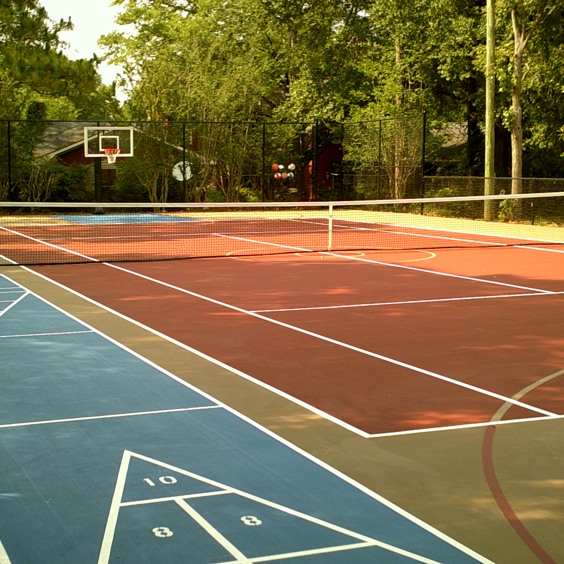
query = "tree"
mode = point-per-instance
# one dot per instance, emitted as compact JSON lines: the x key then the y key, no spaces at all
{"x":534,"y":33}
{"x":334,"y":60}
{"x":239,"y":61}
{"x":35,"y":67}
{"x":38,"y":82}
{"x":277,"y":59}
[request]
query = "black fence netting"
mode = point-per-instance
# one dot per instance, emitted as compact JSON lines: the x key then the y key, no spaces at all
{"x":211,"y":161}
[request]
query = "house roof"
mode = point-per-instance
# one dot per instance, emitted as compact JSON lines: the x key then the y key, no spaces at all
{"x":60,"y":137}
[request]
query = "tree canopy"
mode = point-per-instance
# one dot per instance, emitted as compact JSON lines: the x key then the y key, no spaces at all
{"x":297,"y":60}
{"x":349,"y":59}
{"x":34,"y":72}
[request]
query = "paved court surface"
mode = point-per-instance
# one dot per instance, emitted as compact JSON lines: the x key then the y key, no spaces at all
{"x":106,"y":457}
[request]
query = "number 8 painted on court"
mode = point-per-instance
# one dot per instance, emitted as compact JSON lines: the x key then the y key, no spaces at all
{"x":251,"y":521}
{"x":162,"y":532}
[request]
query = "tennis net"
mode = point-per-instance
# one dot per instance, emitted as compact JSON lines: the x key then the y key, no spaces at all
{"x":55,"y":233}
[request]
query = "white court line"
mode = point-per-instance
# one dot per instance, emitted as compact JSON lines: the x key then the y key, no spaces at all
{"x":15,"y":302}
{"x":174,"y":497}
{"x":4,"y":258}
{"x":111,"y":521}
{"x":59,"y":334}
{"x":200,"y":354}
{"x":340,"y":343}
{"x":533,"y":248}
{"x":460,"y":232}
{"x":406,"y":302}
{"x":446,"y":238}
{"x":63,"y":249}
{"x":392,"y":265}
{"x":446,"y":274}
{"x":342,"y":548}
{"x":196,"y":352}
{"x":106,"y":337}
{"x":266,"y":244}
{"x":23,"y":295}
{"x":4,"y":558}
{"x":460,"y":427}
{"x":364,"y":540}
{"x":366,"y":544}
{"x":521,"y":393}
{"x":110,"y":416}
{"x":213,"y":532}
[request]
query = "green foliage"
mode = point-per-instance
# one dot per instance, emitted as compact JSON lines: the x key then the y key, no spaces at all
{"x":508,"y":210}
{"x":333,"y":60}
{"x":127,"y":187}
{"x":33,"y":67}
{"x":49,"y":180}
{"x":296,"y":62}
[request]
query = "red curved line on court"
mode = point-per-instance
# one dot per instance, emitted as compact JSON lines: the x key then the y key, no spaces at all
{"x":503,"y":503}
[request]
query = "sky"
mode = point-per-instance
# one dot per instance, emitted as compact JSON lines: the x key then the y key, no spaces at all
{"x":91,"y":19}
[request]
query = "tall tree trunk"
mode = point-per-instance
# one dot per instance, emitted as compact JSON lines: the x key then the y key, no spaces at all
{"x":520,"y":41}
{"x":397,"y":187}
{"x":489,"y":154}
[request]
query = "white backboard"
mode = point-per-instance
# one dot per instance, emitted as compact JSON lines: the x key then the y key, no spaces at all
{"x":98,"y":138}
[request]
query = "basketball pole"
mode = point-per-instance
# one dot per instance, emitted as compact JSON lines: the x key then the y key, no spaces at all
{"x":489,"y":157}
{"x":98,"y":183}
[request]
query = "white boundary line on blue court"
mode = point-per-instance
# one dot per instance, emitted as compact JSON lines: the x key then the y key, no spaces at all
{"x":52,"y":334}
{"x":377,"y":497}
{"x":4,"y":558}
{"x":13,"y":303}
{"x":110,"y":416}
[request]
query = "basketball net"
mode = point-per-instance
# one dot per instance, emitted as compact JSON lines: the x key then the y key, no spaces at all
{"x":111,"y":154}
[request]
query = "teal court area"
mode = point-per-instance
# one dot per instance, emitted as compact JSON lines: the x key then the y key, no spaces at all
{"x":122,"y":218}
{"x":105,"y":457}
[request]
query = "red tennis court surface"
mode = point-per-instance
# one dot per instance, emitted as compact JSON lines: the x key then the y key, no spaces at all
{"x":381,"y":342}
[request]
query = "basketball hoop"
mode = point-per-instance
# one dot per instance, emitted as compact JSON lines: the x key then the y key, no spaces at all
{"x":111,"y":154}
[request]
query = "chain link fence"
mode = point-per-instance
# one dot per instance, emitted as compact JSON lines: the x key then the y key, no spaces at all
{"x":235,"y":161}
{"x":445,"y":186}
{"x":232,"y":162}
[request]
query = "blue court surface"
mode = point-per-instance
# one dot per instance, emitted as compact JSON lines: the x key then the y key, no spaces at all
{"x":123,"y":218}
{"x":105,"y":457}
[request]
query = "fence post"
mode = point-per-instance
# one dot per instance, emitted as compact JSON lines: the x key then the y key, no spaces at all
{"x":263,"y":162}
{"x":184,"y":160}
{"x":10,"y":186}
{"x":315,"y":143}
{"x":380,"y":166}
{"x":423,"y":150}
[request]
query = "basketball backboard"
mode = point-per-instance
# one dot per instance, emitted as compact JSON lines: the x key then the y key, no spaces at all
{"x":98,"y":139}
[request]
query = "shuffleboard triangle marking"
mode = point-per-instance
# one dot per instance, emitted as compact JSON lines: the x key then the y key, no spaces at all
{"x":214,"y":488}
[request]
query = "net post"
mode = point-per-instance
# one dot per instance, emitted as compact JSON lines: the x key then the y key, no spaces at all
{"x":330,"y":229}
